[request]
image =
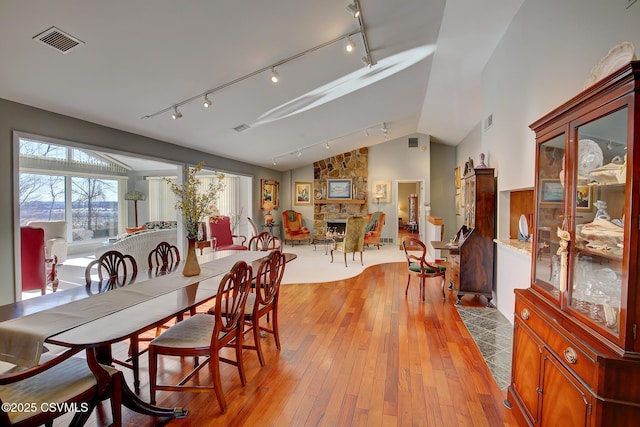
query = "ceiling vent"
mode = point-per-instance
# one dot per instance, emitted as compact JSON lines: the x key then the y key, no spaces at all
{"x":413,"y":142}
{"x":58,"y":40}
{"x":241,"y":128}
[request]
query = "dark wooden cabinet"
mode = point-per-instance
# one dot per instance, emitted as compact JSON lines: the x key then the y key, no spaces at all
{"x":472,"y":256}
{"x":576,"y":353}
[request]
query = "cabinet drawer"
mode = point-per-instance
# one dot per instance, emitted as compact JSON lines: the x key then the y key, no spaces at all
{"x":559,"y":343}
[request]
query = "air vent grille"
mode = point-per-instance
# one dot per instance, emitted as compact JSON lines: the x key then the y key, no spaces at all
{"x":241,"y":128}
{"x":58,"y":40}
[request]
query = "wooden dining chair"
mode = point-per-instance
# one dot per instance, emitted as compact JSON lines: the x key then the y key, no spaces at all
{"x":205,"y":335}
{"x":265,"y":301}
{"x":163,"y":259}
{"x":264,"y":241}
{"x":417,"y":265}
{"x":49,"y":389}
{"x":113,"y":270}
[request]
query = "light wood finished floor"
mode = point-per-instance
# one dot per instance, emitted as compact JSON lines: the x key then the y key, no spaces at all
{"x":355,"y":352}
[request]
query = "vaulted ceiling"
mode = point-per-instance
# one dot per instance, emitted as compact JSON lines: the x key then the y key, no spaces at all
{"x":141,"y":58}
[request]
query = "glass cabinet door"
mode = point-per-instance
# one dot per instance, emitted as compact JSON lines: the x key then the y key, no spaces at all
{"x":549,"y":215}
{"x":598,"y":209}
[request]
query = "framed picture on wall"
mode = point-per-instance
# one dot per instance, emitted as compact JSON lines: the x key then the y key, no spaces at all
{"x":302,"y":194}
{"x":551,"y":191}
{"x":458,"y":202}
{"x":339,"y":189}
{"x":270,"y":193}
{"x":583,"y":198}
{"x":381,"y":191}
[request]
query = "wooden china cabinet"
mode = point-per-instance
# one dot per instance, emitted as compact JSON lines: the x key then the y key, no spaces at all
{"x":576,"y":353}
{"x":471,"y":255}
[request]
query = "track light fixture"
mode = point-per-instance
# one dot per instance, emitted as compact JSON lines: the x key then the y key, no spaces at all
{"x":328,"y":143}
{"x":176,"y":114}
{"x":207,"y":102}
{"x":353,"y":9}
{"x":350,"y":46}
{"x":275,"y":77}
{"x":368,"y":60}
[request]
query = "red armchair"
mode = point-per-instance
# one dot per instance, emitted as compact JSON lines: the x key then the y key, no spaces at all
{"x":294,"y":230}
{"x":375,"y":229}
{"x":34,"y":262}
{"x":221,"y":237}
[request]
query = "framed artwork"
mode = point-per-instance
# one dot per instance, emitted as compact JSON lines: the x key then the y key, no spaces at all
{"x":551,"y":191}
{"x":458,"y":202}
{"x":381,"y":191}
{"x":339,"y":189}
{"x":583,"y":198}
{"x":269,"y":193}
{"x":302,"y":194}
{"x":457,"y":176}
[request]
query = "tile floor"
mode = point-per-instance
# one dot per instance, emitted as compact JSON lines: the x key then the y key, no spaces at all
{"x":493,"y":335}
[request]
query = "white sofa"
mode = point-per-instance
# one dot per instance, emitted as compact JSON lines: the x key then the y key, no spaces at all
{"x":55,"y":238}
{"x":139,"y":244}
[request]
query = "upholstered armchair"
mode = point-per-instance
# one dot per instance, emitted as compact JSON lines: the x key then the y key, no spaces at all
{"x":55,"y":238}
{"x":353,"y":238}
{"x":37,"y":270}
{"x":293,"y":228}
{"x":221,"y":236}
{"x":373,"y":229}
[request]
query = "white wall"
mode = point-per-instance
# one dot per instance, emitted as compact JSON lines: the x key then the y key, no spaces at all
{"x":542,"y":61}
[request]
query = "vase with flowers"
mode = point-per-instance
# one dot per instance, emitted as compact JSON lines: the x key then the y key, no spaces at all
{"x":267,"y":207}
{"x":193,"y":201}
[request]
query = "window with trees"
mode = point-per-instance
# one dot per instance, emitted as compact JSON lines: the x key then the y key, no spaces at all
{"x":58,"y":182}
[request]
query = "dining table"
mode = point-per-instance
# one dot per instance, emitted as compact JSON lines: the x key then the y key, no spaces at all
{"x":79,"y":318}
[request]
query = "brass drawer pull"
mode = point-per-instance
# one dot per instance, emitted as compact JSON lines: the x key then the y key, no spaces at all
{"x":570,"y":355}
{"x":525,"y":314}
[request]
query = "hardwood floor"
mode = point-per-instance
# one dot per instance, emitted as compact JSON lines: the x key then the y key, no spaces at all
{"x":354,"y":352}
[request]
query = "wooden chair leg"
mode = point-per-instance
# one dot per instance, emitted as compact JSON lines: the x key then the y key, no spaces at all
{"x":406,"y":291}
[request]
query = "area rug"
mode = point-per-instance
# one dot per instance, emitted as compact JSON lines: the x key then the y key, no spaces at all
{"x":314,"y":266}
{"x":493,"y":335}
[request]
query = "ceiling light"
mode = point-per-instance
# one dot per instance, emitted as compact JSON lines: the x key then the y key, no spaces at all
{"x":326,"y":145}
{"x":299,"y":153}
{"x":274,"y":162}
{"x":176,"y":114}
{"x":275,"y":77}
{"x":207,"y":102}
{"x":350,"y":46}
{"x":353,"y":9}
{"x":366,"y":61}
{"x":366,"y":132}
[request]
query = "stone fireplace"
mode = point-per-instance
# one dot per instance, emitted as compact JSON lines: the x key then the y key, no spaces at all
{"x":353,"y":165}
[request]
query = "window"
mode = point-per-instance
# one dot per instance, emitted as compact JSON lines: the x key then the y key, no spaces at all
{"x":67,"y":183}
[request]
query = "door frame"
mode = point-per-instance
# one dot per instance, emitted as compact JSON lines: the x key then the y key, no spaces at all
{"x":421,"y":206}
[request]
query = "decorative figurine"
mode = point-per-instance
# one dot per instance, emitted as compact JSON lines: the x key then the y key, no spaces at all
{"x":482,"y":165}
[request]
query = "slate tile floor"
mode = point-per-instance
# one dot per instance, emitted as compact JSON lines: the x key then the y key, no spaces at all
{"x":493,"y":334}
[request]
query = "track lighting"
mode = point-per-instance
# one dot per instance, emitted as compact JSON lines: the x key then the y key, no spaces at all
{"x":353,"y":9}
{"x":350,"y":46}
{"x":299,"y":153}
{"x":275,"y":77}
{"x":274,"y":162}
{"x":326,"y":145}
{"x":384,"y":130}
{"x":176,"y":114}
{"x":366,"y":132}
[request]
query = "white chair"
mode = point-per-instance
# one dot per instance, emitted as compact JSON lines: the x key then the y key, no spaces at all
{"x":55,"y":238}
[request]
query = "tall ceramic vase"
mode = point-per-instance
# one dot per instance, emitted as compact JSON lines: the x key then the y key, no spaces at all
{"x":191,"y":266}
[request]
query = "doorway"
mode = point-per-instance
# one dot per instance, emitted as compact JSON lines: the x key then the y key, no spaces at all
{"x":410,"y":209}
